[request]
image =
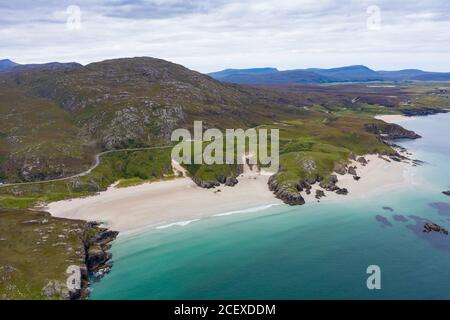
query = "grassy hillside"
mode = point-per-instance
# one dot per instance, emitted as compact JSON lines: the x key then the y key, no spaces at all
{"x":54,"y":121}
{"x":137,"y":166}
{"x":35,"y":252}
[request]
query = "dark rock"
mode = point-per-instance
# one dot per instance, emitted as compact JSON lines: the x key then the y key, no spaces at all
{"x":357,"y":178}
{"x":320,"y":194}
{"x":342,"y":191}
{"x":352,"y":171}
{"x":221,"y":179}
{"x":340,"y":168}
{"x":205,"y":184}
{"x":231,"y":181}
{"x":432,"y":227}
{"x":95,"y":257}
{"x":303,"y":185}
{"x":447,"y":193}
{"x":285,"y":194}
{"x":333,"y":179}
{"x":362,"y":160}
{"x":97,"y":242}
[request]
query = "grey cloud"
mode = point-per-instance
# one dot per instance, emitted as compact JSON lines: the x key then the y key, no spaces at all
{"x":208,"y":35}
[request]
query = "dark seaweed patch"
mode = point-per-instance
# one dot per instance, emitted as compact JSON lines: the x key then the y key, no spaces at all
{"x":383,"y":221}
{"x":442,"y":208}
{"x":399,"y":218}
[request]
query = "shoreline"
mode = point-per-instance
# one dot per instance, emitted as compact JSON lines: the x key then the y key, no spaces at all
{"x":393,"y":118}
{"x":180,"y":202}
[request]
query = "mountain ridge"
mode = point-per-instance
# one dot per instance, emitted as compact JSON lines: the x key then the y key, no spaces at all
{"x":355,"y":73}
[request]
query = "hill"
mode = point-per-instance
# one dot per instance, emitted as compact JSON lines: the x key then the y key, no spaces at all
{"x":55,"y":120}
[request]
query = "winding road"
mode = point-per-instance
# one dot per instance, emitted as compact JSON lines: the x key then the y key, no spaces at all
{"x":97,"y":162}
{"x":84,"y":173}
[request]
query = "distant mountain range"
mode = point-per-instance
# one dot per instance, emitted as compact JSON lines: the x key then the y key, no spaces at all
{"x":272,"y":76}
{"x":7,"y":65}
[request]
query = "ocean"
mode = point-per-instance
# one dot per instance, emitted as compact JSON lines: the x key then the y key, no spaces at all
{"x":316,"y":251}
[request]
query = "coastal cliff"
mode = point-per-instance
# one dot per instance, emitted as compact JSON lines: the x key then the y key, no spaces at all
{"x":390,"y":131}
{"x":40,"y":254}
{"x":97,"y":242}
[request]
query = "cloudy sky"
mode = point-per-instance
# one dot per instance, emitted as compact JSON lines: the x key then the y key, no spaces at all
{"x":211,"y":35}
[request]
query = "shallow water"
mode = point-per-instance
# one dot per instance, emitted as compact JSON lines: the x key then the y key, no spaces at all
{"x":317,"y":251}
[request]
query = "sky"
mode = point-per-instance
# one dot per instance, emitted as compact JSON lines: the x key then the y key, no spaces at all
{"x":213,"y":35}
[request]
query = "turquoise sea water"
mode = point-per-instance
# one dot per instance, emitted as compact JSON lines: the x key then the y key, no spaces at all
{"x":317,"y":251}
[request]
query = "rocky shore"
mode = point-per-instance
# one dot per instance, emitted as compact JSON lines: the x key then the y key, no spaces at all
{"x":50,"y":258}
{"x":423,"y":112}
{"x":294,"y":197}
{"x":227,"y":181}
{"x":390,"y":131}
{"x":97,"y":242}
{"x":284,"y":193}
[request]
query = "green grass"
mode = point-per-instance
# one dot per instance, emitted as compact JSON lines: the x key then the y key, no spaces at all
{"x":136,"y":181}
{"x":143,"y":165}
{"x":35,"y":249}
{"x":320,"y":139}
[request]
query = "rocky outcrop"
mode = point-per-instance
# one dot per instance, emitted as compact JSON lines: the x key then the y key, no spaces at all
{"x":423,"y":112}
{"x":228,"y":181}
{"x":432,"y":227}
{"x":231,"y":181}
{"x":342,"y":191}
{"x":97,"y":241}
{"x":390,"y":131}
{"x":285,"y":194}
{"x":303,"y":186}
{"x":205,"y":184}
{"x":320,"y":194}
{"x":362,"y":161}
{"x":352,"y":171}
{"x":340,"y":168}
{"x":447,"y":193}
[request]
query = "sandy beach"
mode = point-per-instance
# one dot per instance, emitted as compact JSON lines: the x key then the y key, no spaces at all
{"x":392,"y":118}
{"x":377,"y":176}
{"x":165,"y":203}
{"x":180,"y":202}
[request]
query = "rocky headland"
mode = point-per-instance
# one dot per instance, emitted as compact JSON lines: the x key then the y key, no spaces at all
{"x":54,"y":250}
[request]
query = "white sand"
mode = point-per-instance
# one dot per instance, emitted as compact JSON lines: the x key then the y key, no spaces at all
{"x":393,"y":118}
{"x":179,"y":202}
{"x":378,"y":176}
{"x":164,"y":203}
